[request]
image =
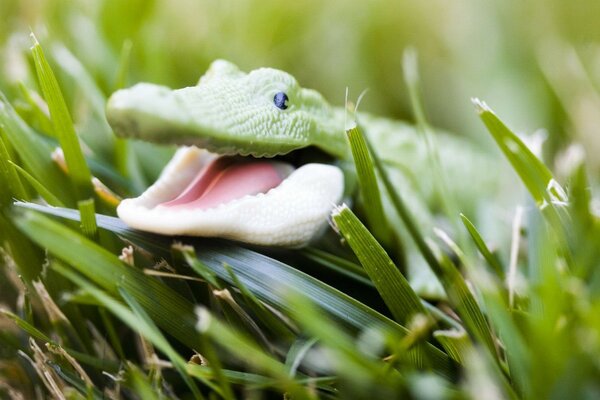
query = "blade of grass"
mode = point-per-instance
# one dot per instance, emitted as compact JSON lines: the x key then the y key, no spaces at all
{"x":265,"y":315}
{"x":482,"y":247}
{"x":338,"y":264}
{"x":368,"y":187}
{"x":456,"y":343}
{"x":393,"y":287}
{"x":533,"y":173}
{"x":245,"y":349}
{"x":62,"y":123}
{"x":140,"y":383}
{"x":12,"y":187}
{"x":87,"y":210}
{"x":90,"y":392}
{"x":411,"y":78}
{"x":37,"y":185}
{"x":361,"y":369}
{"x":96,"y":132}
{"x":34,"y":152}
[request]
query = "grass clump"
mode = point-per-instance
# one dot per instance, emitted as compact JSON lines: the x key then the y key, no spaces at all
{"x":90,"y":308}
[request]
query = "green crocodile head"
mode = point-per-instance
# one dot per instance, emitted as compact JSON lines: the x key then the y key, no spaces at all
{"x":263,"y":113}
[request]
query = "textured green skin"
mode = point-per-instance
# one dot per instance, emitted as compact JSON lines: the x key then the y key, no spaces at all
{"x":232,"y":112}
{"x":229,"y":112}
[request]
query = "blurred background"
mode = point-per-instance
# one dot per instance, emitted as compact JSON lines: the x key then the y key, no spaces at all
{"x":536,"y":63}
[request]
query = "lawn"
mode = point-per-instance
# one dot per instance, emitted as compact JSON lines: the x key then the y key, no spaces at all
{"x":459,"y":265}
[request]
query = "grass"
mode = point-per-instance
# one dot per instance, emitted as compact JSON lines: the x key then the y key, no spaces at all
{"x":90,"y":308}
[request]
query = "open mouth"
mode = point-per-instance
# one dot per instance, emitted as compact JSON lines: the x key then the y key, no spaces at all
{"x":259,"y":201}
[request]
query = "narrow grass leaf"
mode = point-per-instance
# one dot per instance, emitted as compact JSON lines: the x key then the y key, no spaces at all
{"x":26,"y":326}
{"x":62,"y":123}
{"x":12,"y":186}
{"x":46,"y":194}
{"x":534,"y":174}
{"x":338,"y":264}
{"x":482,"y":247}
{"x":247,"y":350}
{"x":296,"y":354}
{"x":390,"y":283}
{"x":140,"y":383}
{"x":367,"y":183}
{"x":87,"y":210}
{"x":466,"y":306}
{"x":455,"y":342}
{"x":411,"y":77}
{"x":34,"y":152}
{"x":362,"y":368}
{"x":266,"y":316}
{"x":189,"y":255}
{"x":260,"y":274}
{"x":90,"y":392}
{"x":96,"y":132}
{"x":234,"y":377}
{"x":43,"y":121}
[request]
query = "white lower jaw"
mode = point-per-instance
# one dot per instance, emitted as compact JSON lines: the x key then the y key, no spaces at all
{"x":291,"y":214}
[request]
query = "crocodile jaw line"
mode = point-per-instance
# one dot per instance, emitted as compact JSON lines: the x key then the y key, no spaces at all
{"x":290,"y":214}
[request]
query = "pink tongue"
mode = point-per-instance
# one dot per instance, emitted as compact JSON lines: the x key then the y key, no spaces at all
{"x":226,"y":179}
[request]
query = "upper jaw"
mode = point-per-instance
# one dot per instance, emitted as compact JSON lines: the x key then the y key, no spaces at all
{"x":290,"y":214}
{"x":195,"y":116}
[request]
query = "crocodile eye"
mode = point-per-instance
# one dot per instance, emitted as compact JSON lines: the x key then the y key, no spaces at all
{"x":280,"y":100}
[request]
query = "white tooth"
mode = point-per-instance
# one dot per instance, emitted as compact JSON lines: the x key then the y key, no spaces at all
{"x":291,"y":214}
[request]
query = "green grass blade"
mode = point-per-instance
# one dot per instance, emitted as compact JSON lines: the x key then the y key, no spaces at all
{"x":62,"y":123}
{"x":466,"y":306}
{"x":266,"y":316}
{"x":245,"y":349}
{"x":411,"y":77}
{"x":41,"y":120}
{"x":189,"y":255}
{"x":338,"y":264}
{"x":483,"y":249}
{"x":96,"y":132}
{"x":136,"y":379}
{"x":87,"y":210}
{"x":390,"y":283}
{"x":12,"y":186}
{"x":534,"y":174}
{"x":26,"y":326}
{"x":37,"y":185}
{"x":367,"y":183}
{"x":33,"y":151}
{"x":456,"y":343}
